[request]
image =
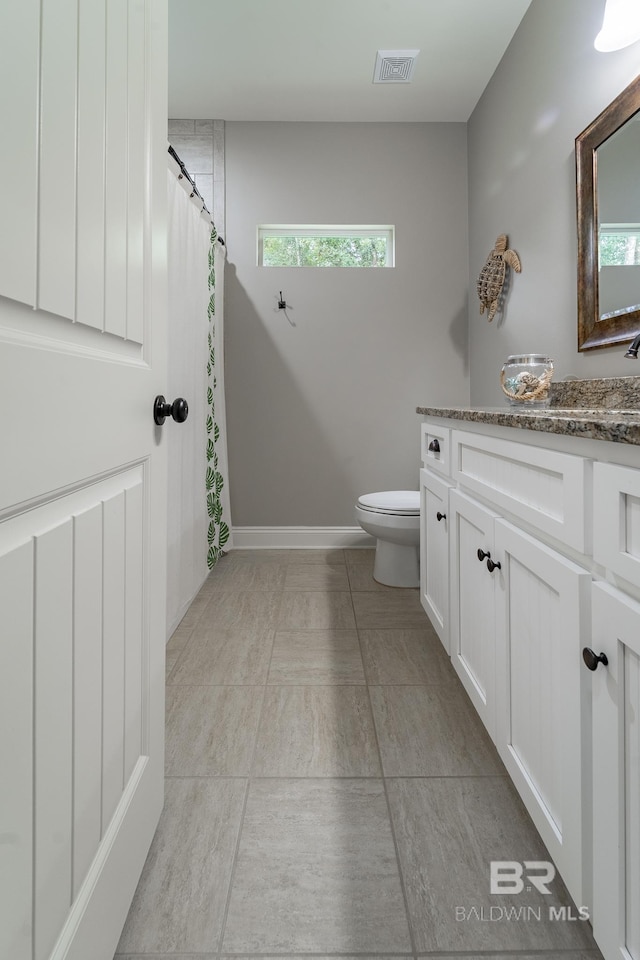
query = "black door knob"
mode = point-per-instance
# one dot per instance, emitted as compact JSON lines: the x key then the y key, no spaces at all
{"x":440,"y":516}
{"x":434,"y":446}
{"x":482,"y":554}
{"x":179,"y":410}
{"x":493,"y":565}
{"x":593,"y":659}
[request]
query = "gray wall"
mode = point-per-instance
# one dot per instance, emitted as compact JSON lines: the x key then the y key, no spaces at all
{"x":321,"y":406}
{"x":549,"y":86}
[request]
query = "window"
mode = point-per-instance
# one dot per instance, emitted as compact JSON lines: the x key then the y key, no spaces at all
{"x":286,"y":245}
{"x":619,"y":244}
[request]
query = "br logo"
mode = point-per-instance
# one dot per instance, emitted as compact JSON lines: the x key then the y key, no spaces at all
{"x":508,"y":876}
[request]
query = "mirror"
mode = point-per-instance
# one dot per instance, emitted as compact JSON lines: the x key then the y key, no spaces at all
{"x":608,"y":208}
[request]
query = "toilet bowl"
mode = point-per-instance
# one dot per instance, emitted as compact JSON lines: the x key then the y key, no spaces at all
{"x":393,"y":518}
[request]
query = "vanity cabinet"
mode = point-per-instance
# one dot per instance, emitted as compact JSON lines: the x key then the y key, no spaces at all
{"x":472,"y":603}
{"x":434,"y":552}
{"x":615,"y":688}
{"x":616,"y":780}
{"x":544,"y":633}
{"x":542,"y":621}
{"x":519,"y":610}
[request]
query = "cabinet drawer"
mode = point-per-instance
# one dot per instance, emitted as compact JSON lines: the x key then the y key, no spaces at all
{"x":616,"y":523}
{"x":435,"y":448}
{"x":543,"y":487}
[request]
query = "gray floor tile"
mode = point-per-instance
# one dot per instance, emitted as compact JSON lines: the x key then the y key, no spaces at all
{"x":237,"y":657}
{"x":194,"y":613}
{"x":262,"y":556}
{"x":549,"y":955}
{"x":361,"y":578}
{"x":360,"y":555}
{"x":311,"y":610}
{"x":448,"y":832}
{"x":237,"y":611}
{"x":211,"y":731}
{"x":180,"y":901}
{"x":316,"y":732}
{"x":316,"y":576}
{"x":431,"y":731}
{"x":178,"y":640}
{"x":405,"y":655}
{"x":316,"y":871}
{"x":316,"y":656}
{"x":378,"y":610}
{"x":216,"y":576}
{"x":175,"y":646}
{"x":249,"y":575}
{"x":331,"y":555}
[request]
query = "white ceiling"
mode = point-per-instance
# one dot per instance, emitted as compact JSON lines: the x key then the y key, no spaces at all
{"x":314,"y":59}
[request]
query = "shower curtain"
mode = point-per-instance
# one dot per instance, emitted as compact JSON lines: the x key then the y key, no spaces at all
{"x":198,"y":523}
{"x":219,"y":528}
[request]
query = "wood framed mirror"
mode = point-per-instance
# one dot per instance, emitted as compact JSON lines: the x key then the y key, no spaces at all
{"x":608,"y":211}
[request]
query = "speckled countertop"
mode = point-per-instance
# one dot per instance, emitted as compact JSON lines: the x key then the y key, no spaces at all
{"x":606,"y":409}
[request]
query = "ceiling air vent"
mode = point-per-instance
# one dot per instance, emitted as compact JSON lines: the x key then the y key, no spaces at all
{"x":394,"y":66}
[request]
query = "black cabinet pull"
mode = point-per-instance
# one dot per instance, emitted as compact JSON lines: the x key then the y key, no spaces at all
{"x":493,"y":565}
{"x":483,"y":554}
{"x":593,"y":659}
{"x":434,"y":446}
{"x":440,"y":516}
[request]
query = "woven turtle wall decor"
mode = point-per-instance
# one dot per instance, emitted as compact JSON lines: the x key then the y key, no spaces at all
{"x":492,"y":275}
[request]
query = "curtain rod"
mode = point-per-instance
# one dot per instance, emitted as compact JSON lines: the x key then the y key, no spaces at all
{"x":185,"y":173}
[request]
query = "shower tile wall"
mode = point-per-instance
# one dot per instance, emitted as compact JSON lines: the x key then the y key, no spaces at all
{"x":200,"y":146}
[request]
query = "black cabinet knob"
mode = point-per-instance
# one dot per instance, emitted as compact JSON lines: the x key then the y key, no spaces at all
{"x":440,"y":516}
{"x":482,"y":554}
{"x":434,"y":446}
{"x":493,"y":565}
{"x":179,"y":410}
{"x":593,"y":659}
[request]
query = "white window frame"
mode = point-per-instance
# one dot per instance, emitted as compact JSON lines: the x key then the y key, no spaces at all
{"x":367,"y":231}
{"x":617,"y":230}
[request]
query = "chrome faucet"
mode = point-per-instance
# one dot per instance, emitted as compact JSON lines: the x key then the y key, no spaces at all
{"x":632,"y":352}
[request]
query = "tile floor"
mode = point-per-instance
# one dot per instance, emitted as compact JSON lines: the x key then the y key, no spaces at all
{"x":330,"y":790}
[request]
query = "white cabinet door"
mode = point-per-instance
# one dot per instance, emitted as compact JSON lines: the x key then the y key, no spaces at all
{"x":472,"y":608}
{"x":616,"y":774}
{"x":542,"y":618}
{"x":83,"y":475}
{"x":616,"y":522}
{"x":434,"y":552}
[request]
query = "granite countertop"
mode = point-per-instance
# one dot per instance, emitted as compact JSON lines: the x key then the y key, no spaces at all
{"x":605,"y":409}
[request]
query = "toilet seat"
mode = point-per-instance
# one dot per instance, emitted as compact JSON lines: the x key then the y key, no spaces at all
{"x":399,"y":503}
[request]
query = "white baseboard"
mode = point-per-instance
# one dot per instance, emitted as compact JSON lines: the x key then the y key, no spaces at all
{"x":300,"y":538}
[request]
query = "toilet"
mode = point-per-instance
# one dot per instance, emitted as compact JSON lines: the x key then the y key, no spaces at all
{"x":393,"y":518}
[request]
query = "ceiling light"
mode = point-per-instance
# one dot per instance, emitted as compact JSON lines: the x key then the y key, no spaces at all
{"x":620,"y":25}
{"x":394,"y":66}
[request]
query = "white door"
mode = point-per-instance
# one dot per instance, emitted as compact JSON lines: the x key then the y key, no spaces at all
{"x":616,"y":773}
{"x":434,"y":552}
{"x":472,"y":608}
{"x":542,"y":621}
{"x":82,"y":478}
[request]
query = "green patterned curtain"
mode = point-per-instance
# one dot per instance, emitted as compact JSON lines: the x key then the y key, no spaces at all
{"x":218,"y":529}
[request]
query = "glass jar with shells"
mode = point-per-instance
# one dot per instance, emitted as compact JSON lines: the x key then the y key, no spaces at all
{"x":526,"y":379}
